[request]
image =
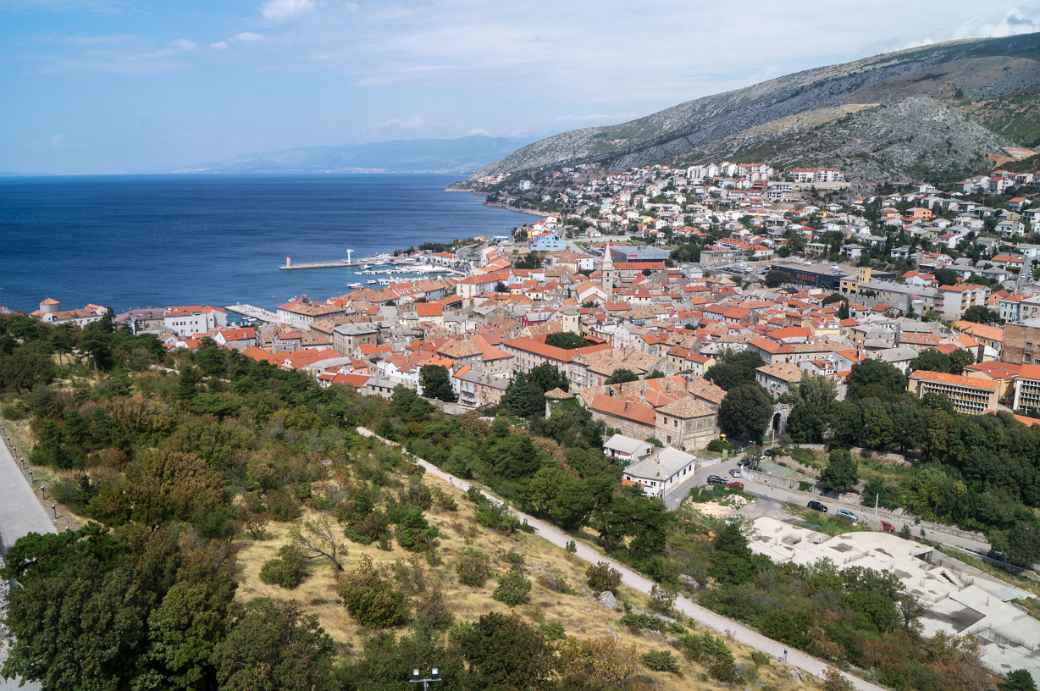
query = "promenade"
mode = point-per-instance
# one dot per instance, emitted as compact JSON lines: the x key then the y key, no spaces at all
{"x":20,"y":514}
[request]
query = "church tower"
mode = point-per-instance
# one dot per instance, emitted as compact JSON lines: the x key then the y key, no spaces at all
{"x":610,"y":274}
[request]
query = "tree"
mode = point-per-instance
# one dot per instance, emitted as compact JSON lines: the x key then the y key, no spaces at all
{"x":504,"y":652}
{"x":436,"y":383}
{"x":567,"y":340}
{"x":734,"y":369}
{"x":273,"y":647}
{"x":733,"y":562}
{"x":548,"y":377}
{"x":843,"y":310}
{"x":369,"y":595}
{"x":745,"y":412}
{"x":621,"y":375}
{"x":1018,"y":680}
{"x":981,"y":314}
{"x":514,"y":588}
{"x":523,"y":397}
{"x":873,"y":378}
{"x":946,"y":277}
{"x":601,"y":577}
{"x":1023,"y":542}
{"x":597,"y":663}
{"x":319,"y":539}
{"x":841,"y":474}
{"x":775,"y":278}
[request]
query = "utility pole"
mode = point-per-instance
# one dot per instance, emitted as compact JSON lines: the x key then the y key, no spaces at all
{"x":417,"y":678}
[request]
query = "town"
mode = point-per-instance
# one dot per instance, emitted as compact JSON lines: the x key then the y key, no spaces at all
{"x":695,"y":312}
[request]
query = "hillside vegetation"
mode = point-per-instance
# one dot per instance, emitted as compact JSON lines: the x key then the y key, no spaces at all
{"x":992,"y":84}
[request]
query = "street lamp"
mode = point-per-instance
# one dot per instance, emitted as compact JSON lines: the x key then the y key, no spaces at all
{"x":417,"y":678}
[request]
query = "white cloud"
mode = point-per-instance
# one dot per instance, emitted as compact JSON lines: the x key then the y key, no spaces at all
{"x":280,"y":10}
{"x":1019,"y":20}
{"x":247,"y":37}
{"x":183,"y":45}
{"x":219,"y":45}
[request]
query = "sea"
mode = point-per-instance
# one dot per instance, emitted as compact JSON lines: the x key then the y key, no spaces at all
{"x":153,"y":241}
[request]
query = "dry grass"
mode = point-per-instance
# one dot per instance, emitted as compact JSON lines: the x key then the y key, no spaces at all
{"x":579,"y":613}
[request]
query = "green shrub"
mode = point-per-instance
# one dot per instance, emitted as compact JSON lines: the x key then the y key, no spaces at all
{"x":637,"y":623}
{"x":370,"y":597}
{"x":14,"y":411}
{"x":514,"y":588}
{"x":712,"y":652}
{"x":283,"y":505}
{"x":602,"y":577}
{"x":473,"y":568}
{"x":413,"y":532}
{"x":661,"y":661}
{"x":432,"y":611}
{"x":662,"y":599}
{"x":553,"y":631}
{"x":287,"y":570}
{"x":760,"y":658}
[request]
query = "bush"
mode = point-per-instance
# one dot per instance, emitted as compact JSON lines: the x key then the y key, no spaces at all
{"x":413,"y":532}
{"x":662,"y":600}
{"x":287,"y":570}
{"x":514,"y":588}
{"x":14,"y":411}
{"x":712,"y":652}
{"x":555,"y":582}
{"x":283,"y":505}
{"x":661,"y":661}
{"x":760,"y":658}
{"x":719,"y":445}
{"x":638,"y":623}
{"x":370,"y":597}
{"x":432,"y":611}
{"x":473,"y":568}
{"x":602,"y":577}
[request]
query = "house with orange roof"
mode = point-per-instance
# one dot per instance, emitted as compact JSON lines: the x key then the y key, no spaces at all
{"x":684,"y":360}
{"x":988,"y":335}
{"x":191,"y":320}
{"x":236,"y":338}
{"x":50,"y":312}
{"x":302,"y":312}
{"x":957,"y":298}
{"x":970,"y":395}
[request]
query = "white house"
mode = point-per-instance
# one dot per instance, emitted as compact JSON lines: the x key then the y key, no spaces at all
{"x":658,"y":474}
{"x":626,"y":449}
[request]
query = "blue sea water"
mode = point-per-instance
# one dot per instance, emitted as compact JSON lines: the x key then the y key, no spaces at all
{"x":166,"y":240}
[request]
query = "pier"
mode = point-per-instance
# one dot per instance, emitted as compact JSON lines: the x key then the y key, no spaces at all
{"x":254,"y":312}
{"x":347,"y":263}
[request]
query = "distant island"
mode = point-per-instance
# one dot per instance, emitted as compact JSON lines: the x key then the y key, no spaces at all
{"x":460,"y":155}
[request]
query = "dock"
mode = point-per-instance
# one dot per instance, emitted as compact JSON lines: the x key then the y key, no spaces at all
{"x":254,"y":312}
{"x":347,"y":263}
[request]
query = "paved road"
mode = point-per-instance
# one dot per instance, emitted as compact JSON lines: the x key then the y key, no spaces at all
{"x":791,"y":496}
{"x":20,"y":514}
{"x":636,"y":581}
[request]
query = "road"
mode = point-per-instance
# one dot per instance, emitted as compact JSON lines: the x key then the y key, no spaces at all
{"x":754,"y":487}
{"x":705,"y":617}
{"x":20,"y":514}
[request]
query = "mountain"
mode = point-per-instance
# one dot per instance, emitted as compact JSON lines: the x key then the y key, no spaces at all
{"x":461,"y":155}
{"x":938,"y":110}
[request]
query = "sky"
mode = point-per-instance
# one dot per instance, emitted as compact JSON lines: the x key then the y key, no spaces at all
{"x":108,"y":86}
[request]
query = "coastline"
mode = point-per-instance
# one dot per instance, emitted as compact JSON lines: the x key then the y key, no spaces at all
{"x":495,"y":205}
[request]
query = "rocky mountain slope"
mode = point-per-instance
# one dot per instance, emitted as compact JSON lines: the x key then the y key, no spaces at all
{"x":933,"y":110}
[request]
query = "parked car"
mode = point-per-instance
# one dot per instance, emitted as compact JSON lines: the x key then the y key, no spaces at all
{"x":817,"y":506}
{"x":735,"y":484}
{"x":716,"y":480}
{"x":735,"y":472}
{"x":847,"y":515}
